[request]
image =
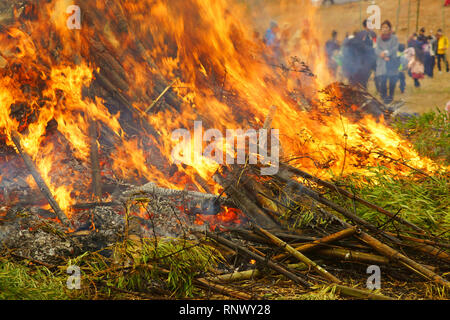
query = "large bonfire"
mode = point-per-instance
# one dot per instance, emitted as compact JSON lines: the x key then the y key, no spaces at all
{"x":203,"y":59}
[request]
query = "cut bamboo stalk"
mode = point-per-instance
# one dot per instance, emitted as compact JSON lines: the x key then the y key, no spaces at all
{"x":39,"y":180}
{"x":360,"y":294}
{"x":392,"y":254}
{"x":352,"y":196}
{"x":160,"y":96}
{"x":223,"y":289}
{"x":280,"y":243}
{"x":258,"y":258}
{"x":422,"y":241}
{"x":95,"y":165}
{"x":350,"y":255}
{"x":328,"y":239}
{"x":251,"y":274}
{"x":319,"y":198}
{"x":397,"y":256}
{"x":431,"y":251}
{"x":245,"y":204}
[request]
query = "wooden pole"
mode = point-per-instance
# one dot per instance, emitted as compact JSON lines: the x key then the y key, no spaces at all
{"x":443,"y":17}
{"x":222,"y":289}
{"x":398,"y":16}
{"x":392,"y":254}
{"x":39,"y":180}
{"x":327,"y":239}
{"x":352,"y":196}
{"x":351,"y":255}
{"x":349,"y":215}
{"x":418,"y":16}
{"x":409,"y":18}
{"x":280,"y":243}
{"x":258,"y":258}
{"x":95,"y":165}
{"x":360,"y":15}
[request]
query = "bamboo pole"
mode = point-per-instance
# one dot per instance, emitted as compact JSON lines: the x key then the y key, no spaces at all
{"x":245,"y":204}
{"x":330,"y":238}
{"x":160,"y":97}
{"x":327,"y":239}
{"x":418,"y":16}
{"x":39,"y":180}
{"x":395,"y":255}
{"x":398,"y":16}
{"x":404,"y":260}
{"x":223,"y":289}
{"x":251,"y":274}
{"x":352,"y":196}
{"x":360,"y":294}
{"x":422,"y":241}
{"x":95,"y":165}
{"x":444,"y":27}
{"x":280,"y":243}
{"x":319,"y":198}
{"x":409,"y":19}
{"x":258,"y":258}
{"x":351,"y":255}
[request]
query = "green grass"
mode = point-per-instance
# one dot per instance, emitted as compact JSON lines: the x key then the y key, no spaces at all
{"x":430,"y":134}
{"x":135,"y":269}
{"x":20,"y":282}
{"x":424,"y":201}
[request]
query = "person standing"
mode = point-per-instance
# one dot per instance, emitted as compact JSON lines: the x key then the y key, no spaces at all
{"x":273,"y":43}
{"x":433,"y":51}
{"x":403,"y":66}
{"x":387,"y":62}
{"x":422,"y":37}
{"x":417,"y":69}
{"x":428,"y":58}
{"x":331,"y":47}
{"x":367,"y":35}
{"x":442,"y":47}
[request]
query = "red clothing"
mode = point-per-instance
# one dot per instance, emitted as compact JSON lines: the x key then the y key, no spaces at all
{"x":447,"y":3}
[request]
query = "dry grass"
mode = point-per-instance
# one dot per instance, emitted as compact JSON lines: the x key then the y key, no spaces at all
{"x":431,"y":16}
{"x":433,"y":93}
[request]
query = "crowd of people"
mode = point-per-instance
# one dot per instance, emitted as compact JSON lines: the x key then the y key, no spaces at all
{"x":365,"y":52}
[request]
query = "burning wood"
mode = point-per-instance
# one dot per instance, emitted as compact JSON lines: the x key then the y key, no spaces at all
{"x":39,"y":181}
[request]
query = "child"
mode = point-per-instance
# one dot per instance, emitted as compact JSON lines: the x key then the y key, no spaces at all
{"x":417,"y":70}
{"x":403,"y":67}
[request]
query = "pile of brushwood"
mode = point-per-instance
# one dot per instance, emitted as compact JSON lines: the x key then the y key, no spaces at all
{"x":303,"y":238}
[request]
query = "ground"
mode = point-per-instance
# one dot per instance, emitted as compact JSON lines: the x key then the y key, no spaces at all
{"x":434,"y":93}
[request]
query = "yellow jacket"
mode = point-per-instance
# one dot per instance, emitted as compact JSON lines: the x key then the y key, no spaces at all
{"x":442,"y":45}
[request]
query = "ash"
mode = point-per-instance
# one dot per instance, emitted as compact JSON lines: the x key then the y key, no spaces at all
{"x":35,"y":234}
